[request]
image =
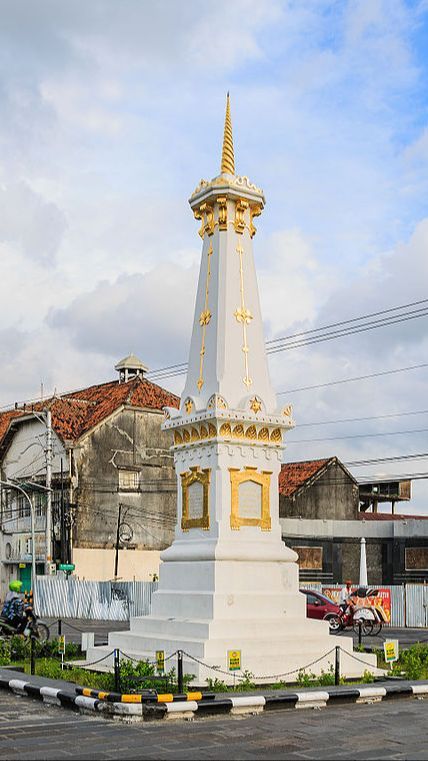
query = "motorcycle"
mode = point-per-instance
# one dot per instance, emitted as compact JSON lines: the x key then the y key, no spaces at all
{"x":370,"y":619}
{"x":33,"y":627}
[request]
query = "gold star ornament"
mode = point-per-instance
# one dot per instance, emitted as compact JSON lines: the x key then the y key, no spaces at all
{"x":255,"y":404}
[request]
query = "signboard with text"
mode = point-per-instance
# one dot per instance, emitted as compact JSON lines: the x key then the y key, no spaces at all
{"x":160,"y":660}
{"x":234,"y":660}
{"x":390,"y":649}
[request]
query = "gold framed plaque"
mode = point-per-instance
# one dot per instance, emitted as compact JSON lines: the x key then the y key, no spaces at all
{"x":250,"y":503}
{"x":195,"y":486}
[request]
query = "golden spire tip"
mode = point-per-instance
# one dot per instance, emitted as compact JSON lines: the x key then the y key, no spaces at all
{"x":227,"y":155}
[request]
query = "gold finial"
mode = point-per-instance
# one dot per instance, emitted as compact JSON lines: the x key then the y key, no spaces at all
{"x":227,"y":157}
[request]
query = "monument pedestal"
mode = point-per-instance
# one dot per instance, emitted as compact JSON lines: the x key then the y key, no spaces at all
{"x":208,"y":607}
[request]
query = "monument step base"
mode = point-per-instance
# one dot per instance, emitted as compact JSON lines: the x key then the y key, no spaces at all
{"x":213,"y":629}
{"x":266,"y":668}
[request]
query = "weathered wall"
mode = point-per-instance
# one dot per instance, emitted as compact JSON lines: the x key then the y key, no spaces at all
{"x":331,"y":496}
{"x":351,"y":562}
{"x":131,"y":439}
{"x":98,"y":565}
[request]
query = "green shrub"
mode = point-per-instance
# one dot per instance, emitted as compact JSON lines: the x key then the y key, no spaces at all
{"x":367,"y":677}
{"x":246,"y":682}
{"x":5,"y":652}
{"x":216,"y":685}
{"x":305,"y":679}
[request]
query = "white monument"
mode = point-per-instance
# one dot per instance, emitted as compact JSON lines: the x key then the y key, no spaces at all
{"x":228,"y":582}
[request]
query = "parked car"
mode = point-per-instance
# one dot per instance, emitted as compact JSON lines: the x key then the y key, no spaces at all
{"x":320,"y":606}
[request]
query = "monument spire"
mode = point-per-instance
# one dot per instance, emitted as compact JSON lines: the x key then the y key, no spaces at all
{"x":227,"y":155}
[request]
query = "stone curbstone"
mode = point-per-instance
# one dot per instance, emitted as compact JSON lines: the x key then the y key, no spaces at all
{"x":151,"y":710}
{"x":312,"y":699}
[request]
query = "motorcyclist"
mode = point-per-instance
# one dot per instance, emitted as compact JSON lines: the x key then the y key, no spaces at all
{"x":13,"y":609}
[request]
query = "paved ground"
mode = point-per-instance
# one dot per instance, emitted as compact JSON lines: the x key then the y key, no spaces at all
{"x":72,"y":628}
{"x":396,"y":729}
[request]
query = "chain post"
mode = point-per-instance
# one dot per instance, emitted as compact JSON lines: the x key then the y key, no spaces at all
{"x":32,"y":657}
{"x":337,"y":666}
{"x":116,"y":661}
{"x":359,"y":631}
{"x":180,"y":670}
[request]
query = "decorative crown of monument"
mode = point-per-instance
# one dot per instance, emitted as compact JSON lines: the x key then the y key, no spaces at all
{"x":227,"y":156}
{"x":227,"y":165}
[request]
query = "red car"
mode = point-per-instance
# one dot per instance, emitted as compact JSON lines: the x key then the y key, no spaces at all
{"x":320,"y":606}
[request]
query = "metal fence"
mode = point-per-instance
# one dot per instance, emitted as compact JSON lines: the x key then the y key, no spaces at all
{"x":101,"y":600}
{"x":57,"y":596}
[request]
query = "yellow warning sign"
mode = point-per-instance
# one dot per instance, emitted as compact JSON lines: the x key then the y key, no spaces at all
{"x":234,"y":660}
{"x":390,"y":649}
{"x":160,"y":660}
{"x":61,"y":644}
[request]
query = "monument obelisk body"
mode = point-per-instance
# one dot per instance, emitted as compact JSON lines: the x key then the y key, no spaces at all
{"x":228,"y":582}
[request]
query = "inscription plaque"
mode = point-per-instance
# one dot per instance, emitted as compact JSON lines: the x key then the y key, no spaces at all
{"x":250,"y":500}
{"x":196,"y":500}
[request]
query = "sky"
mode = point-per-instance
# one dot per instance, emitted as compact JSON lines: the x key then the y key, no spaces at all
{"x":111,"y":112}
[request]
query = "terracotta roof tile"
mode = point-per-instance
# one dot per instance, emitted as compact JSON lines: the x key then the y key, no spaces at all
{"x":76,"y":413}
{"x":295,"y":474}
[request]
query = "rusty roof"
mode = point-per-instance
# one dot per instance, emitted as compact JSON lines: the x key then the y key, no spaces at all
{"x":76,"y":413}
{"x":293,"y":475}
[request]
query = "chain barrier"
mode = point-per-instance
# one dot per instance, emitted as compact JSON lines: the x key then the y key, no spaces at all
{"x":152,"y":663}
{"x":272,"y":676}
{"x":92,"y":663}
{"x":351,"y":655}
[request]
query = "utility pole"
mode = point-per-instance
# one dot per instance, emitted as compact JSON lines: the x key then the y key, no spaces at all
{"x":48,"y":418}
{"x":116,"y":559}
{"x":63,"y":551}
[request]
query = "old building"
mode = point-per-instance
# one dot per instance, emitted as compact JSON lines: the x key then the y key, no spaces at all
{"x":108,"y":457}
{"x":324,"y":514}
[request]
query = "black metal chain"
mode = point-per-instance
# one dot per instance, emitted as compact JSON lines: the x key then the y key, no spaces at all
{"x":272,"y":676}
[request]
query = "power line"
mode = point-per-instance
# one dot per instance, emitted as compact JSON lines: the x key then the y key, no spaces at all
{"x":361,"y":419}
{"x":357,"y":378}
{"x":315,"y":335}
{"x":359,"y":436}
{"x":397,"y":458}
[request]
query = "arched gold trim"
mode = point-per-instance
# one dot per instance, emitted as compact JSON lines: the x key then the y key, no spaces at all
{"x":263,"y":435}
{"x":178,"y":439}
{"x":204,"y":432}
{"x":194,"y":434}
{"x":212,"y":431}
{"x":238,"y":431}
{"x":251,"y":432}
{"x":225,"y":430}
{"x":276,"y":435}
{"x":186,"y":435}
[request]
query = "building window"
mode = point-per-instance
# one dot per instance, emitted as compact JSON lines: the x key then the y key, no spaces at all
{"x":23,"y":508}
{"x":129,"y":480}
{"x":39,"y":504}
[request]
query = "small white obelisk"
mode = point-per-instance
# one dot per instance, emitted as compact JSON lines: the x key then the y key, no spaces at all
{"x":363,"y":563}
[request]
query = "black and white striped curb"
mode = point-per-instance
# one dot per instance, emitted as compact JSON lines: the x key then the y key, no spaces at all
{"x":252,"y":704}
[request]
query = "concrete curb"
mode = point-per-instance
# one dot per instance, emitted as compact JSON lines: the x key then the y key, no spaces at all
{"x":184,"y":707}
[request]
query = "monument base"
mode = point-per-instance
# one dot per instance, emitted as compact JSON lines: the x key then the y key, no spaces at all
{"x":250,"y":606}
